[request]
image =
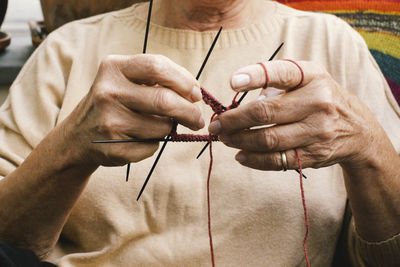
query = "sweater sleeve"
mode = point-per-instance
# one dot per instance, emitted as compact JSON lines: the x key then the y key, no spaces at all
{"x":364,"y":78}
{"x":387,"y":252}
{"x":31,"y":109}
{"x":379,"y":254}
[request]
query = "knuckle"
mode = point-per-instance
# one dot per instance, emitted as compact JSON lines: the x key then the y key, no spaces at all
{"x":323,"y":155}
{"x":326,"y":131}
{"x":259,"y":75}
{"x":262,"y":112}
{"x":276,"y":162}
{"x":164,"y":101}
{"x":319,"y":154}
{"x":109,"y":61}
{"x":286,"y":75}
{"x":105,"y":128}
{"x":271,"y":139}
{"x":327,"y":107}
{"x":103,"y":94}
{"x":156,"y":64}
{"x":324,"y":101}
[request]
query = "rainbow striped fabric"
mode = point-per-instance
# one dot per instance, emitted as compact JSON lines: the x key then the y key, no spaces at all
{"x":377,"y":21}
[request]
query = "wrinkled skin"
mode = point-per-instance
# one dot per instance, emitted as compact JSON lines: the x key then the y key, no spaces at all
{"x":135,"y":97}
{"x":327,"y":124}
{"x":138,"y":96}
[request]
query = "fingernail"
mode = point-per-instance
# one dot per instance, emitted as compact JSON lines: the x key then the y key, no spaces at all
{"x":196,"y":94}
{"x":240,"y":80}
{"x":261,"y":97}
{"x":215,"y":127}
{"x":225,"y":139}
{"x":241,"y":158}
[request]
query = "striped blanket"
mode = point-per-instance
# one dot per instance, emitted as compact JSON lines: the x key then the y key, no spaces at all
{"x":378,"y":21}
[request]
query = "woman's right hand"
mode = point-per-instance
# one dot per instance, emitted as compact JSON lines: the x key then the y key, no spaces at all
{"x":132,"y":97}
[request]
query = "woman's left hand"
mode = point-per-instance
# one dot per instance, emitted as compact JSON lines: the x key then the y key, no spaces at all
{"x":302,"y":108}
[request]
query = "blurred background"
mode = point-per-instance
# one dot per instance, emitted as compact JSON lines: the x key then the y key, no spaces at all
{"x":19,"y":12}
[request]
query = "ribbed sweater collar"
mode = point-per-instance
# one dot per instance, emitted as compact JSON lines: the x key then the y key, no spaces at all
{"x":188,"y":39}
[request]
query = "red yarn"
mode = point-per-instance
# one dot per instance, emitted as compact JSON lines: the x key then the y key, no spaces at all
{"x":192,"y":138}
{"x":303,"y":199}
{"x":218,"y":108}
{"x":266,"y":75}
{"x":209,"y":202}
{"x":301,"y":71}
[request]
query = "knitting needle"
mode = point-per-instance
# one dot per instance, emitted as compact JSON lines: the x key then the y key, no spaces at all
{"x":169,"y":136}
{"x":271,"y":58}
{"x":152,"y":168}
{"x":209,"y":53}
{"x":155,"y":140}
{"x":161,"y":139}
{"x":241,"y":99}
{"x":146,"y":37}
{"x":119,"y":141}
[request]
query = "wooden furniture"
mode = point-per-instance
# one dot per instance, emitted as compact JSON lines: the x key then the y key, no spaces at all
{"x":59,"y":12}
{"x":5,"y":38}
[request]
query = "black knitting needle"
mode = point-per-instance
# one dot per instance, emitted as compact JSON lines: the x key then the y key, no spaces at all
{"x":241,"y":99}
{"x":121,"y":141}
{"x":271,"y":58}
{"x":146,"y":37}
{"x":152,"y":168}
{"x":154,"y":140}
{"x":169,"y":136}
{"x":208,"y":54}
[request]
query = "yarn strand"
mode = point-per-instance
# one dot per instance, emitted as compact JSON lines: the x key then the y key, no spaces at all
{"x":209,"y":203}
{"x":303,"y":199}
{"x":218,"y":108}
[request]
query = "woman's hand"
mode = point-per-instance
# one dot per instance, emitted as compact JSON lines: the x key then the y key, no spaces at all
{"x":132,"y":97}
{"x":326,"y":123}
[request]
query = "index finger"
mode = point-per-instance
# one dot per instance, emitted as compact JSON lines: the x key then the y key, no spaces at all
{"x":281,"y":74}
{"x":282,"y":109}
{"x":157,"y":69}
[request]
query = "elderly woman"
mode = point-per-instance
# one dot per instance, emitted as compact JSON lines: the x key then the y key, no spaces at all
{"x":89,"y":81}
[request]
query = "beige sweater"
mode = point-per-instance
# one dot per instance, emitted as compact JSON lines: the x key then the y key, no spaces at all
{"x":257,"y":216}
